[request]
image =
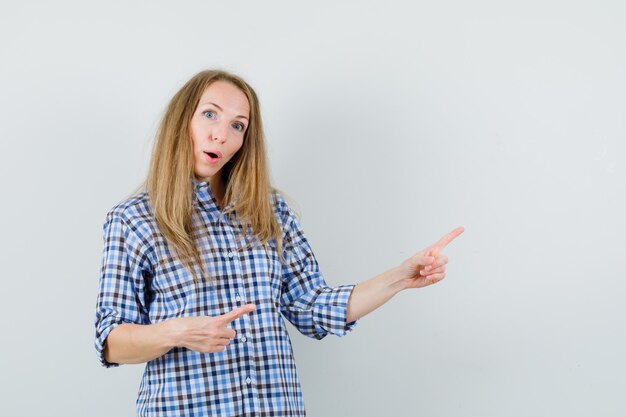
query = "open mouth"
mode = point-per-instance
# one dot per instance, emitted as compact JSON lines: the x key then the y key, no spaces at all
{"x":212,"y":155}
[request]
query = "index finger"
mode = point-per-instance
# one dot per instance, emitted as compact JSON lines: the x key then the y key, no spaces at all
{"x":444,"y":241}
{"x":236,"y":313}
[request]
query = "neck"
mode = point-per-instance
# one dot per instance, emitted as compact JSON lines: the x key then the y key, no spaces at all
{"x":218,"y":188}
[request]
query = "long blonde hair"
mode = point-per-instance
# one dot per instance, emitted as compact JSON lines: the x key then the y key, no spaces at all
{"x":169,"y":181}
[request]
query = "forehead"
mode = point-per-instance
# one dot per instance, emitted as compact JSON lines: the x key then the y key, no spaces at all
{"x":228,"y":96}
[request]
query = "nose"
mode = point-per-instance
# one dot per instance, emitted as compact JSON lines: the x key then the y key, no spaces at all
{"x":220,"y":132}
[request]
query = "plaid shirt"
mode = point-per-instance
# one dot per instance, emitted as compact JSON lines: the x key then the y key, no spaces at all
{"x":141,"y":282}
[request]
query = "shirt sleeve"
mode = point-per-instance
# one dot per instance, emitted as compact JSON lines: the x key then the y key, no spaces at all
{"x":121,"y":295}
{"x":313,"y":307}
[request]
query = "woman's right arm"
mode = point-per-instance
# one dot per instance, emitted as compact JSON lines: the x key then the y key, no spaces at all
{"x":137,"y":343}
{"x":123,"y":332}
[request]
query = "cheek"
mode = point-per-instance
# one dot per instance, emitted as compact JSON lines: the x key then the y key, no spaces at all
{"x":237,"y":145}
{"x":195,"y":132}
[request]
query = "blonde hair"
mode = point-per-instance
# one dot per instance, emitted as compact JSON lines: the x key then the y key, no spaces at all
{"x":169,"y":181}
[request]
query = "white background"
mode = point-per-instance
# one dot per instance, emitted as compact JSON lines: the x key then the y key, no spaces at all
{"x":389,"y":123}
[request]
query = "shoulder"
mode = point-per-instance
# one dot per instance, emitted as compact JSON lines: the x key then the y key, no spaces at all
{"x":288,"y":218}
{"x":134,"y":212}
{"x":130,"y":227}
{"x":284,"y":213}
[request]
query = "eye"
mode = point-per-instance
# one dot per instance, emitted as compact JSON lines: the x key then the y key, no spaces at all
{"x":239,"y":126}
{"x":209,"y":114}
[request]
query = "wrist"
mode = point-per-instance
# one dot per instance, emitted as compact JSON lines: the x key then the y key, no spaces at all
{"x":394,"y":280}
{"x":171,"y":332}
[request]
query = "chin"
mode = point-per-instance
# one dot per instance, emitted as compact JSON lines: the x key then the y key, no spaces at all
{"x":206,"y":175}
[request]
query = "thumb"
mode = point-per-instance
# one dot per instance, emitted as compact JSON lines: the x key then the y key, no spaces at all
{"x":236,"y":313}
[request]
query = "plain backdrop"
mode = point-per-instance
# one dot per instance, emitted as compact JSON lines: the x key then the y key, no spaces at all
{"x":388,"y":124}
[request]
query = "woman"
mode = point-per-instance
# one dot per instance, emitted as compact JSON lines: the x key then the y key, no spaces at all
{"x":198,"y":268}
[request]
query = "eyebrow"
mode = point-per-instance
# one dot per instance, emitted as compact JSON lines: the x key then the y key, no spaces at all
{"x":219,"y":108}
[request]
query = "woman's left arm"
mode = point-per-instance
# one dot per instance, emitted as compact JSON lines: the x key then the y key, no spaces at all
{"x":426,"y":267}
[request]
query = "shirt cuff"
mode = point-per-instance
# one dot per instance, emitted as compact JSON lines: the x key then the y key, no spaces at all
{"x":103,"y":329}
{"x":331,"y":309}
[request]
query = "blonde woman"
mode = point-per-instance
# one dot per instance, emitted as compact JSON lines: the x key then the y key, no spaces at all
{"x":200,"y":267}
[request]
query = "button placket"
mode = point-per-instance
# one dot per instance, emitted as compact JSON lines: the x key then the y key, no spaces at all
{"x":230,"y":253}
{"x":228,"y":247}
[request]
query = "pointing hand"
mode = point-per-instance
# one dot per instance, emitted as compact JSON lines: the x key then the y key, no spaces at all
{"x":428,"y":266}
{"x":207,"y":334}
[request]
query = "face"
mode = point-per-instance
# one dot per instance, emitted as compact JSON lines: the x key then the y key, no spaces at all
{"x":217,"y":129}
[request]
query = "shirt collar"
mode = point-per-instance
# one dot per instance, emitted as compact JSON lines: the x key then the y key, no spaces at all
{"x":204,"y":194}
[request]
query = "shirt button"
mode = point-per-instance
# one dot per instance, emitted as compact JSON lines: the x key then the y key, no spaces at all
{"x":244,"y":339}
{"x":230,"y":254}
{"x":248,"y":380}
{"x":237,"y":297}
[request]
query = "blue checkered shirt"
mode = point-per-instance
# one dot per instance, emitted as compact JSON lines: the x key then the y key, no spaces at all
{"x":141,"y":282}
